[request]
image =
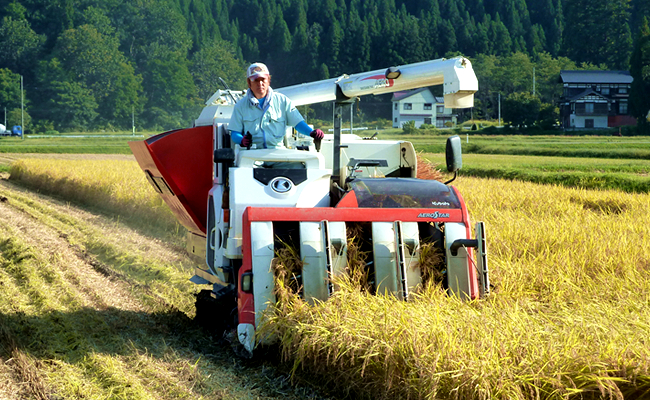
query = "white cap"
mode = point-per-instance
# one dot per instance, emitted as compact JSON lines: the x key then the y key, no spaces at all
{"x":257,"y":69}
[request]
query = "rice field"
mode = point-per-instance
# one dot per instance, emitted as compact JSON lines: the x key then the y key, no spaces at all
{"x":629,"y":175}
{"x":115,"y":186}
{"x":601,"y":147}
{"x":568,"y":316}
{"x":93,"y":309}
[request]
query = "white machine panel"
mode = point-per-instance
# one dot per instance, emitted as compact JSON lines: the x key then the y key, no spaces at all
{"x":262,"y":254}
{"x":409,"y":256}
{"x":315,"y":280}
{"x":384,"y":251}
{"x":245,"y":191}
{"x":457,"y":266}
{"x":338,"y":248}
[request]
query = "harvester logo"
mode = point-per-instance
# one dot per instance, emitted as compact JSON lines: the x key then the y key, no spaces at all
{"x":434,"y":215}
{"x":281,"y":185}
{"x":379,"y":81}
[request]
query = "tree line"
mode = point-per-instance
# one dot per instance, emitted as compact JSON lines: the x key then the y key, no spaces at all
{"x":90,"y":64}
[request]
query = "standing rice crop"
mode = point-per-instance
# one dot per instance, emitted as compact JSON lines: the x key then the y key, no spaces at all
{"x":568,"y":316}
{"x":115,"y":186}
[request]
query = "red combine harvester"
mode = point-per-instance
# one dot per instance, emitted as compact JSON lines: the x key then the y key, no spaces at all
{"x":238,"y":214}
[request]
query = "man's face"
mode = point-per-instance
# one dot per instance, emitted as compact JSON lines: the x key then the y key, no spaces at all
{"x":259,"y":86}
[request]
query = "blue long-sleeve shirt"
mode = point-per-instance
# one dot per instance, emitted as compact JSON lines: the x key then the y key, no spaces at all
{"x":266,"y":119}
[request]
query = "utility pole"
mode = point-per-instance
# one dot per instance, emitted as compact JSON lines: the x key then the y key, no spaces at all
{"x":133,"y":118}
{"x":499,"y":109}
{"x":22,"y":110}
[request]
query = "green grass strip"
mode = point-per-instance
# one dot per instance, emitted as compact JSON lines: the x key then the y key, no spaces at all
{"x":590,"y":173}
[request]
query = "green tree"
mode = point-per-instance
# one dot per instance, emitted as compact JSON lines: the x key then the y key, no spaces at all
{"x":15,"y":11}
{"x":536,"y":39}
{"x":19,"y":44}
{"x":18,"y":116}
{"x":150,"y":29}
{"x":548,"y":15}
{"x":97,"y":18}
{"x":71,"y":106}
{"x":263,"y":29}
{"x":597,"y":32}
{"x":547,"y":73}
{"x":549,"y":115}
{"x":521,"y":109}
{"x":640,"y":11}
{"x":354,"y":53}
{"x":500,"y":37}
{"x":125,"y":98}
{"x":516,"y":73}
{"x":331,"y":48}
{"x":487,"y":68}
{"x":217,"y":60}
{"x":618,"y":34}
{"x":447,"y":38}
{"x":249,"y":47}
{"x":482,"y":41}
{"x":516,"y":19}
{"x":410,"y":33}
{"x":95,"y":60}
{"x":9,"y":89}
{"x":304,"y":55}
{"x":168,"y":86}
{"x":640,"y":71}
{"x":513,"y":73}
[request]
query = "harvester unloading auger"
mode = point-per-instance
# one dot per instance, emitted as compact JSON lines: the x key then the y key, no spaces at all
{"x":238,"y":214}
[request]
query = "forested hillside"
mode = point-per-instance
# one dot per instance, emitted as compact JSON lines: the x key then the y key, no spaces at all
{"x":90,"y":64}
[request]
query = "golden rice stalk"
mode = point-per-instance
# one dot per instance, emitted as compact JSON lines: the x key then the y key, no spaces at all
{"x":427,"y":170}
{"x":287,"y":269}
{"x":357,"y":269}
{"x":117,"y":187}
{"x":569,"y":319}
{"x":431,"y":263}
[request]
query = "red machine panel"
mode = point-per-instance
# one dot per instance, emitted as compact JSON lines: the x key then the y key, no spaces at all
{"x":178,"y":164}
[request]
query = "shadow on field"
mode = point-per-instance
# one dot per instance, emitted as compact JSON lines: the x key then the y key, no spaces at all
{"x":71,"y":337}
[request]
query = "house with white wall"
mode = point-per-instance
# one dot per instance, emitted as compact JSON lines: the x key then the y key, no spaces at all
{"x":423,"y":107}
{"x":595,"y":99}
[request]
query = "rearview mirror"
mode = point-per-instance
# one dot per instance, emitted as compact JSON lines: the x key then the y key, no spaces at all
{"x":453,"y":154}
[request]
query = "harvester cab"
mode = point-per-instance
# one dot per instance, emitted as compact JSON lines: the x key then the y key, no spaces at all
{"x":353,"y":191}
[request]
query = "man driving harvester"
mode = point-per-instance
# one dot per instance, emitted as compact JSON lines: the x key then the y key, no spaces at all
{"x":262,"y":115}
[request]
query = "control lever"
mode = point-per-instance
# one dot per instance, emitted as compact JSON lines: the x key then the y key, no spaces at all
{"x":249,"y":138}
{"x":317,"y":135}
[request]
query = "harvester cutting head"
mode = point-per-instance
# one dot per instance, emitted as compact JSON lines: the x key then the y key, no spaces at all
{"x":355,"y":196}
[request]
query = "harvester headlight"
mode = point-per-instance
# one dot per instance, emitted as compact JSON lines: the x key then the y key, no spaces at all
{"x":247,"y":282}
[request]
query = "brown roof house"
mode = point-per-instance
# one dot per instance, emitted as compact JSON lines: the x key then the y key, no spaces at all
{"x":595,"y":99}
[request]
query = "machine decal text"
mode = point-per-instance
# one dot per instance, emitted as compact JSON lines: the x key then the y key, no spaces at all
{"x":434,"y":215}
{"x":380,"y":81}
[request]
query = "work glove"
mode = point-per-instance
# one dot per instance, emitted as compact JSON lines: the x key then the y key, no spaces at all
{"x":247,"y":140}
{"x":317,"y":134}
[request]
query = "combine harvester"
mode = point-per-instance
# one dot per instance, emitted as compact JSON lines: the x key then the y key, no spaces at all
{"x":237,"y":214}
